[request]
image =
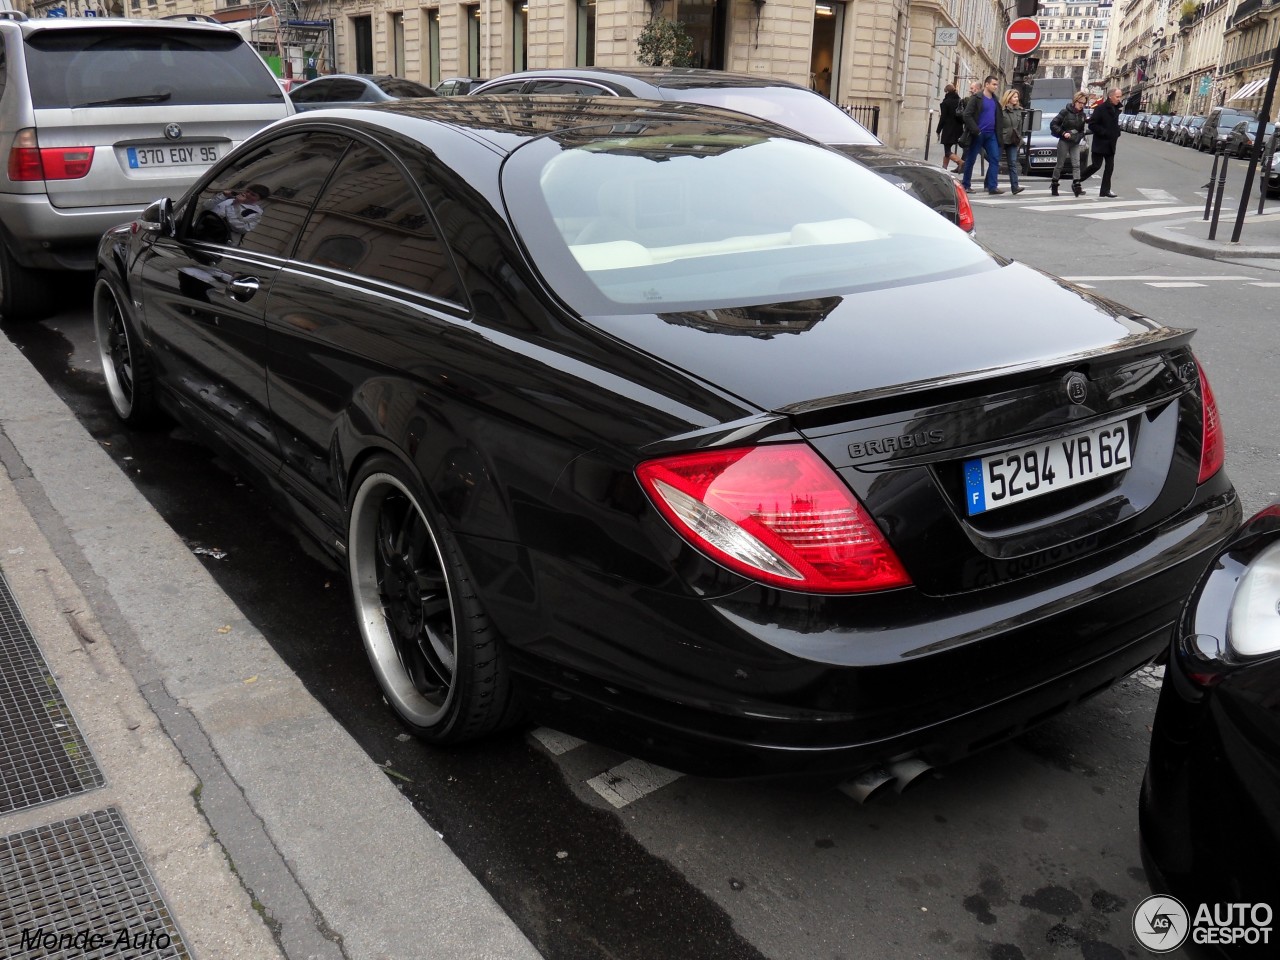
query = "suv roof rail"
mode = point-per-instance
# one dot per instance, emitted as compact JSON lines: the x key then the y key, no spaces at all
{"x":13,"y":15}
{"x":195,"y":17}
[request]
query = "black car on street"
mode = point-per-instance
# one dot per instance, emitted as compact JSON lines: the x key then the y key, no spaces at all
{"x":1210,"y":804}
{"x":673,"y":428}
{"x":791,"y":105}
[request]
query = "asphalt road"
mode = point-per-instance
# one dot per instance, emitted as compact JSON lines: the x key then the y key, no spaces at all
{"x":1029,"y":850}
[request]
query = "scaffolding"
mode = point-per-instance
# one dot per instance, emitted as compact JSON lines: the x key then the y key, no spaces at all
{"x":295,"y":37}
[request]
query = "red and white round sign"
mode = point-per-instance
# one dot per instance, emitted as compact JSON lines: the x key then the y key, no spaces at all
{"x":1023,"y":36}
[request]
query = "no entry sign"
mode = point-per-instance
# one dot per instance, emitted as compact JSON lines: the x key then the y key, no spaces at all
{"x":1023,"y":36}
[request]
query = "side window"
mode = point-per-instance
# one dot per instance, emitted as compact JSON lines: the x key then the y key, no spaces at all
{"x":346,"y":90}
{"x":569,"y":88}
{"x":515,"y":86}
{"x":313,"y":92}
{"x":260,"y":202}
{"x":370,"y":221}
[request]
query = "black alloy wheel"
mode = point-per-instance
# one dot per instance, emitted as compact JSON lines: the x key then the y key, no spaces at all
{"x":124,"y":362}
{"x":437,"y":658}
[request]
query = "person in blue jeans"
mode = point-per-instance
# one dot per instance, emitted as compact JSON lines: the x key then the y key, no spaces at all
{"x":1011,"y":135}
{"x":982,"y":122}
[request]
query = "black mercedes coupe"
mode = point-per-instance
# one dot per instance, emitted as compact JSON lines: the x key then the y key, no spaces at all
{"x":674,"y":428}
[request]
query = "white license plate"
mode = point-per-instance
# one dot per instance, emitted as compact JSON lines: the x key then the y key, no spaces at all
{"x":1016,"y":475}
{"x":168,"y":156}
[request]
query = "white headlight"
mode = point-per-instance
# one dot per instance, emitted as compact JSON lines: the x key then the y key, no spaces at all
{"x":1253,"y":626}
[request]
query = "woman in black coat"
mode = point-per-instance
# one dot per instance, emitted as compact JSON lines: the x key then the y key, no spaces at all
{"x":950,"y":126}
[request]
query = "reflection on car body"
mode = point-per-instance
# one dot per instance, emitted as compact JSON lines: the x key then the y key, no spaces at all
{"x":595,"y":439}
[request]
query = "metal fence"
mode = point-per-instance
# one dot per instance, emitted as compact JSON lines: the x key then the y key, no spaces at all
{"x":867,"y":114}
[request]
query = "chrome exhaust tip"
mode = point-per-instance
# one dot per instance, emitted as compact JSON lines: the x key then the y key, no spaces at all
{"x":867,"y":784}
{"x":907,"y":772}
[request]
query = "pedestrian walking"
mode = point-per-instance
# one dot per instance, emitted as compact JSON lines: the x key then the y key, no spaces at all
{"x":950,"y":126}
{"x":1105,"y":127}
{"x":1011,"y":135}
{"x":1069,"y":127}
{"x":981,"y":122}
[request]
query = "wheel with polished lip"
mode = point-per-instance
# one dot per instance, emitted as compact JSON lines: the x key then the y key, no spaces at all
{"x":433,"y":650}
{"x":124,"y":360}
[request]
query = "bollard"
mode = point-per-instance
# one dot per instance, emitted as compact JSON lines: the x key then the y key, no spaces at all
{"x":1208,"y":197}
{"x":1217,"y":200}
{"x":928,"y":136}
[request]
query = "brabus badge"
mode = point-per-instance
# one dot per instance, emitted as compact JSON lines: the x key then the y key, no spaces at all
{"x":173,"y":131}
{"x":1077,"y":388}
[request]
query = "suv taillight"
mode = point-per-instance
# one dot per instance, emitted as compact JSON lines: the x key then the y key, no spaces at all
{"x":964,"y":210}
{"x":777,"y":514}
{"x":1212,"y":446}
{"x":29,"y":161}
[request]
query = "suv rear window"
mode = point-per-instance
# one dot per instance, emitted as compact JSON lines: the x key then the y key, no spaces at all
{"x":115,"y":67}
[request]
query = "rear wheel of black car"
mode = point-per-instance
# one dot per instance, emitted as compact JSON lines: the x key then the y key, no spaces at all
{"x":125,"y":366}
{"x":433,"y":650}
{"x":24,"y":293}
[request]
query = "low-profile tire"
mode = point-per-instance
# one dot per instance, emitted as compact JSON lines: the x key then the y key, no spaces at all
{"x":24,"y":292}
{"x":436,"y":656}
{"x":125,"y":365}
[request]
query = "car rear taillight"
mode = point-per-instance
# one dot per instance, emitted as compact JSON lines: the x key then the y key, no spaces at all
{"x":29,"y":161}
{"x":777,"y":514}
{"x":1212,"y":446}
{"x":964,"y":211}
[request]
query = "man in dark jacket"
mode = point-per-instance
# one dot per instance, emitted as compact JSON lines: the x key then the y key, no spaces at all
{"x":1105,"y":127}
{"x":981,"y":122}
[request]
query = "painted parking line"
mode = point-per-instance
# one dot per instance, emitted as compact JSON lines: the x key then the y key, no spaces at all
{"x":1175,"y":284}
{"x":629,"y":781}
{"x":1262,"y":283}
{"x":555,"y":742}
{"x":1145,"y":277}
{"x":1127,"y":214}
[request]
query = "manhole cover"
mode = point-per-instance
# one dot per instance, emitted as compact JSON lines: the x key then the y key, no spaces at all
{"x":43,"y":755}
{"x":80,"y":889}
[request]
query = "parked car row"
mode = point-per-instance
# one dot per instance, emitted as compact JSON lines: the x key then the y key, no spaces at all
{"x":1225,"y":130}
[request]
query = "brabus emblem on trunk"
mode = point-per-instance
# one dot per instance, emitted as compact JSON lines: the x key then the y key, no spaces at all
{"x":1077,"y":388}
{"x":173,"y":131}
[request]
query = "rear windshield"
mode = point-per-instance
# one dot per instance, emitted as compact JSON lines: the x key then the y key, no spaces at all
{"x":656,"y":218}
{"x":121,"y":68}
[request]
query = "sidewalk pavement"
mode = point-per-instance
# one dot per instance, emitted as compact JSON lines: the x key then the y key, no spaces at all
{"x":163,"y":775}
{"x":1259,"y":235}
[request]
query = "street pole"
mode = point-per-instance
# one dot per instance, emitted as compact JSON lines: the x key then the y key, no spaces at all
{"x":1263,"y":119}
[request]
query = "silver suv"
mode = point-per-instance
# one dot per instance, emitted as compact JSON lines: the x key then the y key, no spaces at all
{"x":98,"y":117}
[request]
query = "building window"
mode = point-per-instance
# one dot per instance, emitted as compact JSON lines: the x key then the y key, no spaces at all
{"x":586,"y":52}
{"x":520,"y":35}
{"x":433,"y":45}
{"x":362,"y":43}
{"x":471,"y":14}
{"x":397,"y":44}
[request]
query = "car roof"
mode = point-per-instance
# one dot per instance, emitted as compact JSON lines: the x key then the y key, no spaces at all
{"x":669,"y":78}
{"x":39,"y":25}
{"x":507,"y":122}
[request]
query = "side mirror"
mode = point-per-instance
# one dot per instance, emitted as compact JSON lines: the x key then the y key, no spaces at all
{"x":158,"y":217}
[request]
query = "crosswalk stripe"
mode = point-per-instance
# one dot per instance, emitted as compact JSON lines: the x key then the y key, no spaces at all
{"x":1177,"y":283}
{"x":1127,"y":214}
{"x":1260,"y":283}
{"x":1159,"y":196}
{"x":555,"y":742}
{"x":629,"y":781}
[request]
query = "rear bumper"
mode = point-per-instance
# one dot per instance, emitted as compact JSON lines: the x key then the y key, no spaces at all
{"x":744,"y":687}
{"x":42,"y":236}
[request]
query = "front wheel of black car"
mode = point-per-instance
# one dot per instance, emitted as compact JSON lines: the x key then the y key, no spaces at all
{"x":125,"y":366}
{"x":436,"y":656}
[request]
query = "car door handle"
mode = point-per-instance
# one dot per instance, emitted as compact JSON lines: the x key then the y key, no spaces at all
{"x":243,"y":288}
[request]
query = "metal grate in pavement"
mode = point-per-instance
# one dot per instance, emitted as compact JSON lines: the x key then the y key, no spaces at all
{"x":43,"y":755}
{"x":80,"y":889}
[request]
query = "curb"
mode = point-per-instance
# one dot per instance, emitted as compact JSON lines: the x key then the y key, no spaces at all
{"x":1168,"y":236}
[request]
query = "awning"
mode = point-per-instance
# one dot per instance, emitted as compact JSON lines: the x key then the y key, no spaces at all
{"x":1250,"y":89}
